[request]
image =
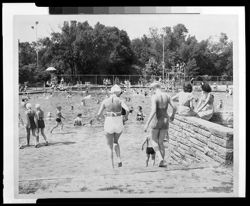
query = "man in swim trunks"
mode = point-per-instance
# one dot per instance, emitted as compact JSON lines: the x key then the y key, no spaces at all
{"x":160,"y":120}
{"x":113,"y":125}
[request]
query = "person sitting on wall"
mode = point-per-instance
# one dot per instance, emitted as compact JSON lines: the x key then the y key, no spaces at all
{"x":185,"y":107}
{"x":205,"y":107}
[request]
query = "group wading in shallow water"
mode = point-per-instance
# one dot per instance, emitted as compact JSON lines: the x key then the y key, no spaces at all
{"x":116,"y":113}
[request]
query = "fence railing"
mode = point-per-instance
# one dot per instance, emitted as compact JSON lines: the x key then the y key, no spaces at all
{"x":134,"y":79}
{"x":138,"y":79}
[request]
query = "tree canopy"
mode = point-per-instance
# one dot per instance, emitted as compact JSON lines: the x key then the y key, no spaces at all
{"x":81,"y":49}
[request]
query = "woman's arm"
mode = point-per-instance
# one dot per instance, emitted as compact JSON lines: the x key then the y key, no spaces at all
{"x":174,"y":109}
{"x":153,"y":112}
{"x":198,"y":104}
{"x":175,"y":97}
{"x":205,"y":103}
{"x":124,"y":106}
{"x":102,"y":107}
{"x":36,"y":118}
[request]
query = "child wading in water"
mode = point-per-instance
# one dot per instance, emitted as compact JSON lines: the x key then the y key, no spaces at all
{"x":140,"y":116}
{"x":78,"y":120}
{"x":58,"y":118}
{"x":40,"y":123}
{"x":149,"y":150}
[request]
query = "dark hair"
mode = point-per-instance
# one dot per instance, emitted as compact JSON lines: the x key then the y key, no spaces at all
{"x":187,"y":88}
{"x":206,"y":87}
{"x":79,"y":115}
{"x":140,"y":107}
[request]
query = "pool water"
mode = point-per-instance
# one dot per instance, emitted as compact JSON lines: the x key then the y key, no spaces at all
{"x":49,"y":103}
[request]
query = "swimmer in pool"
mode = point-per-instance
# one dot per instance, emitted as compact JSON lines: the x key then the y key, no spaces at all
{"x":220,"y":105}
{"x":113,"y":125}
{"x":58,"y":118}
{"x":49,"y":116}
{"x":139,"y":116}
{"x":78,"y":120}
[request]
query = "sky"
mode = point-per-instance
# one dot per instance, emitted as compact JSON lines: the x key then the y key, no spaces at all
{"x":201,"y":26}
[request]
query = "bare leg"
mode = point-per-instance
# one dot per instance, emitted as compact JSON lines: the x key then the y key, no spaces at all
{"x":36,"y":136}
{"x":57,"y":124}
{"x":110,"y":140}
{"x":155,"y":143}
{"x":162,"y":135}
{"x":153,"y":158}
{"x":44,"y":136}
{"x":148,"y":156}
{"x":117,"y":147}
{"x":28,"y":136}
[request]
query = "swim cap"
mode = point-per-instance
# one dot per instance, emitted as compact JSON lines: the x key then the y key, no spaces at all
{"x":155,"y":84}
{"x":116,"y":89}
{"x":28,"y":106}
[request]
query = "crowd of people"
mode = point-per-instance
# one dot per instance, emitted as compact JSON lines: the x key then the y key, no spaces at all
{"x":117,"y":113}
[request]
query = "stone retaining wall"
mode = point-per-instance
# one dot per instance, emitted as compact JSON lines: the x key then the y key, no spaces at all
{"x":196,"y":140}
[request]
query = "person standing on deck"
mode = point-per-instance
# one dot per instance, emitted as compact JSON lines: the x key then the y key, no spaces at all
{"x":113,"y":125}
{"x":160,"y":120}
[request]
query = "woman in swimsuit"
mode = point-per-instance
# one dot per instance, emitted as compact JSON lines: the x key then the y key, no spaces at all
{"x":40,"y":123}
{"x":186,"y":99}
{"x":160,"y":120}
{"x":113,"y":125}
{"x":31,"y":125}
{"x":205,"y":107}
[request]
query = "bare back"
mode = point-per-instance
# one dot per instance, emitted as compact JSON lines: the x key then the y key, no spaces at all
{"x":113,"y":104}
{"x":161,"y":118}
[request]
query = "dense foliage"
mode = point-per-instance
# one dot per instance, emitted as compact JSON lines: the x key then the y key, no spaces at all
{"x":81,"y":49}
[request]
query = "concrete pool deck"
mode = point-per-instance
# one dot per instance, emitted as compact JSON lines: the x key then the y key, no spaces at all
{"x":78,"y":162}
{"x":77,"y":159}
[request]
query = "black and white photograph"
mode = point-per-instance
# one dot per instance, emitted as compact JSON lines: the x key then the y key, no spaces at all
{"x":126,"y":105}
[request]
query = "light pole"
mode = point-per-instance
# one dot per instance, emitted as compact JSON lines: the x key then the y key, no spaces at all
{"x":163,"y":62}
{"x":36,"y":43}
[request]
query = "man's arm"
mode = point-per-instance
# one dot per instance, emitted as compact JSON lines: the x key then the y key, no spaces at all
{"x":153,"y":112}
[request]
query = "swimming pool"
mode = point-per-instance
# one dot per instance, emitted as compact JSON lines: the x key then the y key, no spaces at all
{"x":48,"y":104}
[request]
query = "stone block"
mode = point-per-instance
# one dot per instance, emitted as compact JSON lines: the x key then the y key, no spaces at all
{"x":184,"y":146}
{"x":221,"y":151}
{"x":173,"y":142}
{"x":205,"y":133}
{"x":201,"y":138}
{"x":222,"y":142}
{"x":204,"y":156}
{"x":196,"y":147}
{"x":222,"y":133}
{"x":181,"y":151}
{"x":214,"y":155}
{"x":197,"y":142}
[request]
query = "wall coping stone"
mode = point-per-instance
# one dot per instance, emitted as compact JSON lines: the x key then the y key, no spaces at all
{"x":214,"y":128}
